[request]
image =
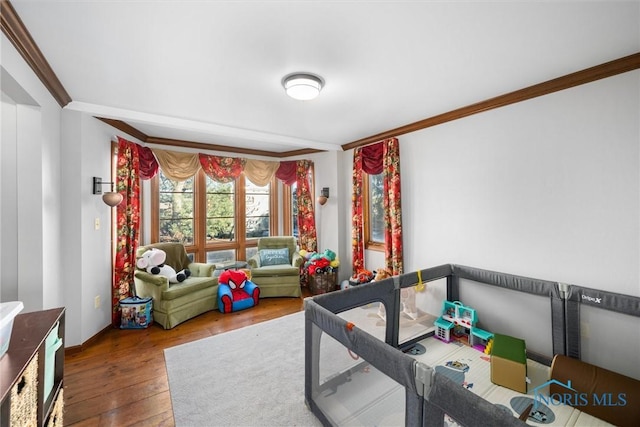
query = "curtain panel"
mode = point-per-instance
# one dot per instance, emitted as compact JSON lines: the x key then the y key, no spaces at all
{"x":306,"y":214}
{"x":382,"y":157}
{"x":357,"y":221}
{"x":128,"y":224}
{"x":393,"y":255}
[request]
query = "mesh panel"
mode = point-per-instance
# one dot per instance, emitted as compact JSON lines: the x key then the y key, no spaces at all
{"x":352,"y":392}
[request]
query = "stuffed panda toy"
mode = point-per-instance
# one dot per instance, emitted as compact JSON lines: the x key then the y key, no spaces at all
{"x":153,"y":262}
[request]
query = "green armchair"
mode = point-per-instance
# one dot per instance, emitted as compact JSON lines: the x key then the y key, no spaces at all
{"x":173,"y":303}
{"x":275,"y":268}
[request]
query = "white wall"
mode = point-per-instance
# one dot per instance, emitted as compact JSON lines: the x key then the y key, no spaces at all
{"x":547,"y":188}
{"x":30,"y":184}
{"x":52,"y":254}
{"x":331,"y":232}
{"x":8,"y":210}
{"x":86,"y":152}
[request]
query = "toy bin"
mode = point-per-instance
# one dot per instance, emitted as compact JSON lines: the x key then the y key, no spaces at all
{"x":321,"y":283}
{"x":8,"y":312}
{"x":137,"y":313}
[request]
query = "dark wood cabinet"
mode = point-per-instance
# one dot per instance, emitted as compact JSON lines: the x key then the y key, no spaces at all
{"x":28,"y":368}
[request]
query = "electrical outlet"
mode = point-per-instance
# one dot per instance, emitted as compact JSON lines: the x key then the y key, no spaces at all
{"x":96,"y":301}
{"x":97,"y":223}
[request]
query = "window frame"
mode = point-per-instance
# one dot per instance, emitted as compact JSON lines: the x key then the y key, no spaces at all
{"x":199,"y":248}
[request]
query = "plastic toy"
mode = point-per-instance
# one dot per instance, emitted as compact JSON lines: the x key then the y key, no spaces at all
{"x":487,"y":349}
{"x":457,"y":365}
{"x":458,"y":322}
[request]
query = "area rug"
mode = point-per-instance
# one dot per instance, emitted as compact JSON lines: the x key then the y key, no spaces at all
{"x":253,"y":376}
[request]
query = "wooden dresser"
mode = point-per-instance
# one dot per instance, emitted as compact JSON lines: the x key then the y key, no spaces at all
{"x":28,"y":369}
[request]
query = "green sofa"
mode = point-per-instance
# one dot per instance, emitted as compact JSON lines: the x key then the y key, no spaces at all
{"x":173,"y":303}
{"x":281,"y":279}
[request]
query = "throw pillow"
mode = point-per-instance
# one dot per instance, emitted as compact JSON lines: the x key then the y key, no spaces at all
{"x":274,"y":256}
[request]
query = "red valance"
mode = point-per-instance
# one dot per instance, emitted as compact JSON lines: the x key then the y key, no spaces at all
{"x":287,"y":172}
{"x":372,"y":156}
{"x":221,"y":169}
{"x":148,"y":163}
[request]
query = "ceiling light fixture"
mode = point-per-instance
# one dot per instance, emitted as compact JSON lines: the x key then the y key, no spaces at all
{"x":302,"y":86}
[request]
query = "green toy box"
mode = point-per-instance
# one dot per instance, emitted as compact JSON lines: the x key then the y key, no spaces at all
{"x":509,"y":362}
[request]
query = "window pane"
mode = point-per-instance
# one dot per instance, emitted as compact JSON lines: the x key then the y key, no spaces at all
{"x":176,"y":210}
{"x":218,"y":257}
{"x":376,"y":208}
{"x":180,"y":231}
{"x":220,"y":211}
{"x":257,"y":210}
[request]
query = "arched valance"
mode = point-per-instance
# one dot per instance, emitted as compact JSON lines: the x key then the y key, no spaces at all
{"x":260,"y":172}
{"x":176,"y":165}
{"x":221,"y":169}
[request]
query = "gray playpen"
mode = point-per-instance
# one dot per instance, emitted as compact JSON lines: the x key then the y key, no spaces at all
{"x":361,"y":366}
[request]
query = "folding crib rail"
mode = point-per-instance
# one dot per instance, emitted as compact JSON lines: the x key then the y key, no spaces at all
{"x":385,"y":358}
{"x":529,"y":285}
{"x":577,"y":295}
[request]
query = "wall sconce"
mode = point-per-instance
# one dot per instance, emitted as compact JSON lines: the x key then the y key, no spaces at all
{"x":324,"y":195}
{"x":111,"y":198}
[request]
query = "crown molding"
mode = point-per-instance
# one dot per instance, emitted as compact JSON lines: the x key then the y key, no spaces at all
{"x":588,"y":75}
{"x":17,"y":33}
{"x":228,"y":149}
{"x":130,"y":130}
{"x":124,"y":127}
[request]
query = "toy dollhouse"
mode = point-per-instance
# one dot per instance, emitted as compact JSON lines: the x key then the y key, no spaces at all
{"x":459,"y":322}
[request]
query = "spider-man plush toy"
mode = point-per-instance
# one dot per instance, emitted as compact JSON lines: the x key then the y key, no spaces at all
{"x":236,"y":291}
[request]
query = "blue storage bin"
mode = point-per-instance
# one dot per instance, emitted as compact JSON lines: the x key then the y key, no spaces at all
{"x":137,"y":313}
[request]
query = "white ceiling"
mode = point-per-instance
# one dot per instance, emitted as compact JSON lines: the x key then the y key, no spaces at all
{"x":210,"y":71}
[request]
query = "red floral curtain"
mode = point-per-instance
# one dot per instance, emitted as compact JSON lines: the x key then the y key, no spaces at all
{"x":128,"y":224}
{"x":392,"y":210}
{"x":382,"y":157}
{"x":306,"y":213}
{"x":357,"y":227}
{"x":221,"y":169}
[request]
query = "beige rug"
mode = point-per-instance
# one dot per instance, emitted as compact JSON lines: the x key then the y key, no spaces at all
{"x":252,"y":376}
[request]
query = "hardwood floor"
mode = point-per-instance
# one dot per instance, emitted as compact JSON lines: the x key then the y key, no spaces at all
{"x":120,"y":379}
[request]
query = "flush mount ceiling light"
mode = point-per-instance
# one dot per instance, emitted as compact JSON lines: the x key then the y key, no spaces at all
{"x":302,"y":86}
